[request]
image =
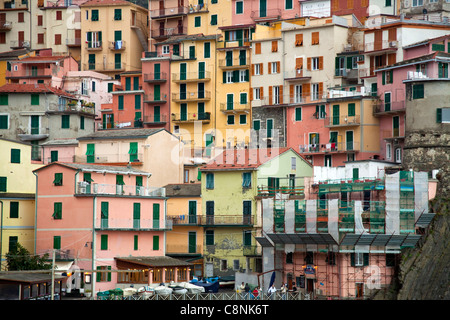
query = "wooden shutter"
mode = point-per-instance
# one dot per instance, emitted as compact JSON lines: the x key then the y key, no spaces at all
{"x":278,"y":67}
{"x":391,"y":58}
{"x":308,"y":63}
{"x":253,"y":69}
{"x":269,"y":66}
{"x":320,"y":90}
{"x":261,"y":91}
{"x":281,"y":94}
{"x":306,"y":89}
{"x":299,"y":63}
{"x":299,"y":40}
{"x":258,"y":48}
{"x":274,"y":46}
{"x":291,"y":93}
{"x":270,"y":95}
{"x":321,"y":63}
{"x":261,"y":67}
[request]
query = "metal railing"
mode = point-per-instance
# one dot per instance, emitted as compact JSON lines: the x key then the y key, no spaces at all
{"x":230,"y":107}
{"x":343,"y":121}
{"x":168,"y":12}
{"x":113,"y":189}
{"x":168,"y":32}
{"x":191,"y":96}
{"x":155,"y":77}
{"x":189,"y":117}
{"x":190,"y":76}
{"x":233,"y":63}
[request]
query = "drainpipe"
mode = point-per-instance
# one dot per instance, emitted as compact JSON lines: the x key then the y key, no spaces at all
{"x":94,"y":274}
{"x":1,"y":235}
{"x":35,"y":211}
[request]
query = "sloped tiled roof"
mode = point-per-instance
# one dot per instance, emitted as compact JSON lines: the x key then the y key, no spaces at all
{"x":33,"y":88}
{"x":183,"y":190}
{"x":236,"y":159}
{"x":97,"y":168}
{"x":121,"y":134}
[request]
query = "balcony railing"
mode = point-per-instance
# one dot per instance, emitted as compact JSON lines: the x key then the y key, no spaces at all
{"x":191,"y":117}
{"x":29,"y":73}
{"x":168,"y":32}
{"x":392,"y":134}
{"x":121,"y":190}
{"x":329,"y":147}
{"x":117,"y":45}
{"x":132,"y":224}
{"x":380,"y":45}
{"x":234,"y":63}
{"x":155,"y":119}
{"x":74,"y":42}
{"x":159,"y":13}
{"x":343,"y":121}
{"x":297,"y":74}
{"x":389,"y":108}
{"x":225,"y":220}
{"x":155,"y":77}
{"x":276,"y":100}
{"x":152,"y":98}
{"x":110,"y":158}
{"x":59,"y":107}
{"x":191,"y":76}
{"x":5,"y":25}
{"x":191,"y":96}
{"x":234,"y":107}
{"x":252,"y":250}
{"x":185,"y":219}
{"x":268,"y":14}
{"x":266,"y":191}
{"x":94,"y":45}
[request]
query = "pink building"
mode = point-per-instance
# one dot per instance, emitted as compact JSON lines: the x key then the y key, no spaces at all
{"x":43,"y":67}
{"x":254,"y":11}
{"x":95,"y":215}
{"x":423,"y":60}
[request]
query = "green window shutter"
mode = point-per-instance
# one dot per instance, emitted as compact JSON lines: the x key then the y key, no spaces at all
{"x":82,"y":122}
{"x":117,"y":35}
{"x":246,"y":179}
{"x":383,"y":77}
{"x":58,"y":181}
{"x":391,"y":76}
{"x":437,"y":47}
{"x":120,"y":102}
{"x":3,"y":184}
{"x":137,"y":101}
{"x":209,"y":237}
{"x":14,"y":209}
{"x":256,"y":124}
{"x":156,"y":215}
{"x":3,"y":99}
{"x":3,"y":121}
{"x":355,"y":173}
{"x":298,"y":114}
{"x":239,"y":7}
{"x":35,"y":99}
{"x":243,"y":97}
{"x":242,"y":119}
{"x":119,"y":180}
{"x":90,"y":153}
{"x":104,"y":242}
{"x":136,"y":215}
{"x":192,"y":207}
{"x":117,"y":14}
{"x":198,"y":22}
{"x":110,"y":86}
{"x":133,"y":151}
{"x":288,"y":4}
{"x":418,"y":91}
{"x":209,"y":181}
{"x":214,"y":19}
{"x":57,"y":210}
{"x":65,"y":121}
{"x":127,"y":83}
{"x":155,"y":242}
{"x":15,"y":155}
{"x":136,"y":242}
{"x":207,"y":49}
{"x":192,"y":52}
{"x":99,"y":275}
{"x":351,"y":109}
{"x":439,"y":115}
{"x":57,"y":242}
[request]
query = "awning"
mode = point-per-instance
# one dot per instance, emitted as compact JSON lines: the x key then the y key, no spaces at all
{"x":382,"y":240}
{"x":63,"y":266}
{"x":302,"y":238}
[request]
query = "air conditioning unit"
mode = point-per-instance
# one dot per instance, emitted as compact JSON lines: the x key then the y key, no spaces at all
{"x":393,"y":44}
{"x":26,"y":44}
{"x":82,"y":187}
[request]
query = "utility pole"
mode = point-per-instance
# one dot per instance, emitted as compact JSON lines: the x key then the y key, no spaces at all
{"x":53,"y":275}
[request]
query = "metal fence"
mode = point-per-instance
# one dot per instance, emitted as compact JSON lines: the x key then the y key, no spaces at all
{"x":211,"y":296}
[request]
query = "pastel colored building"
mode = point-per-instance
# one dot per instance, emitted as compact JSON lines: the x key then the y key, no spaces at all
{"x":231,"y":186}
{"x":156,"y":151}
{"x":96,"y":216}
{"x":186,"y":239}
{"x":125,"y":110}
{"x":352,"y":227}
{"x":261,"y":11}
{"x":114,"y":33}
{"x":37,"y":113}
{"x":59,"y":150}
{"x":43,"y":67}
{"x":17,"y":197}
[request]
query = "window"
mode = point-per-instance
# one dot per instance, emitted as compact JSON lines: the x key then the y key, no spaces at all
{"x":315,"y":38}
{"x":351,"y":109}
{"x":165,"y":49}
{"x":57,"y":211}
{"x":133,"y":151}
{"x":120,"y":101}
{"x":443,"y":115}
{"x":275,"y":46}
{"x":209,"y":181}
{"x":230,"y":119}
{"x":417,"y":3}
{"x":136,"y":242}
{"x":209,"y":234}
{"x":257,"y":69}
{"x":274,"y":67}
{"x":388,"y":151}
{"x":103,"y":276}
{"x":117,"y":14}
{"x":321,"y":113}
{"x":298,"y":89}
{"x":198,"y":22}
{"x":398,"y":155}
{"x":243,"y":119}
{"x":34,"y":99}
{"x":57,"y":242}
{"x":298,"y":114}
{"x":387,"y":76}
{"x":65,"y":121}
{"x":155,"y":243}
{"x":315,"y":91}
{"x":20,"y":17}
{"x":388,"y":3}
{"x":104,"y":242}
{"x":258,"y":48}
{"x":207,"y":50}
{"x":3,"y":184}
{"x":293,"y":163}
{"x":15,"y":155}
{"x":14,"y":209}
{"x":94,"y":15}
{"x":3,"y":99}
{"x":58,"y":181}
{"x":58,"y":15}
{"x":418,"y":91}
{"x":243,"y":75}
{"x":214,"y":19}
{"x":239,"y":7}
{"x":288,"y":4}
{"x":256,"y":93}
{"x":256,"y":125}
{"x":246,"y":180}
{"x":359,"y":259}
{"x":299,"y":40}
{"x":315,"y":63}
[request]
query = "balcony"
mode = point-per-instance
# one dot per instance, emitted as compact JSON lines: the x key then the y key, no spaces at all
{"x":155,"y":119}
{"x":265,"y":15}
{"x":385,"y":45}
{"x":394,"y":134}
{"x":202,"y":76}
{"x":105,"y":67}
{"x":123,"y":224}
{"x":191,"y":117}
{"x":266,"y":191}
{"x":73,"y":42}
{"x":5,"y":25}
{"x":158,"y":77}
{"x":235,"y":43}
{"x":152,"y":98}
{"x":69,"y":107}
{"x":191,"y":96}
{"x":234,"y":107}
{"x":183,"y":249}
{"x":252,"y":251}
{"x":33,"y":133}
{"x":94,"y":45}
{"x":17,"y":44}
{"x":160,"y":33}
{"x":226,"y":221}
{"x":167,"y":12}
{"x":117,"y":45}
{"x":84,"y":188}
{"x":29,"y":72}
{"x":343,"y":121}
{"x":111,"y":158}
{"x":391,"y":108}
{"x":234,"y":64}
{"x":185,"y":219}
{"x":297,"y":75}
{"x":329,"y":148}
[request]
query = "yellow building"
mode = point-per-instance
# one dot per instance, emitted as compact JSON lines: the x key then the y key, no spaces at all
{"x":114,"y":33}
{"x":17,"y":197}
{"x":185,"y":240}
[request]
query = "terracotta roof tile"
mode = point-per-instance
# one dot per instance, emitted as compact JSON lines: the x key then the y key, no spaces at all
{"x":32,"y":88}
